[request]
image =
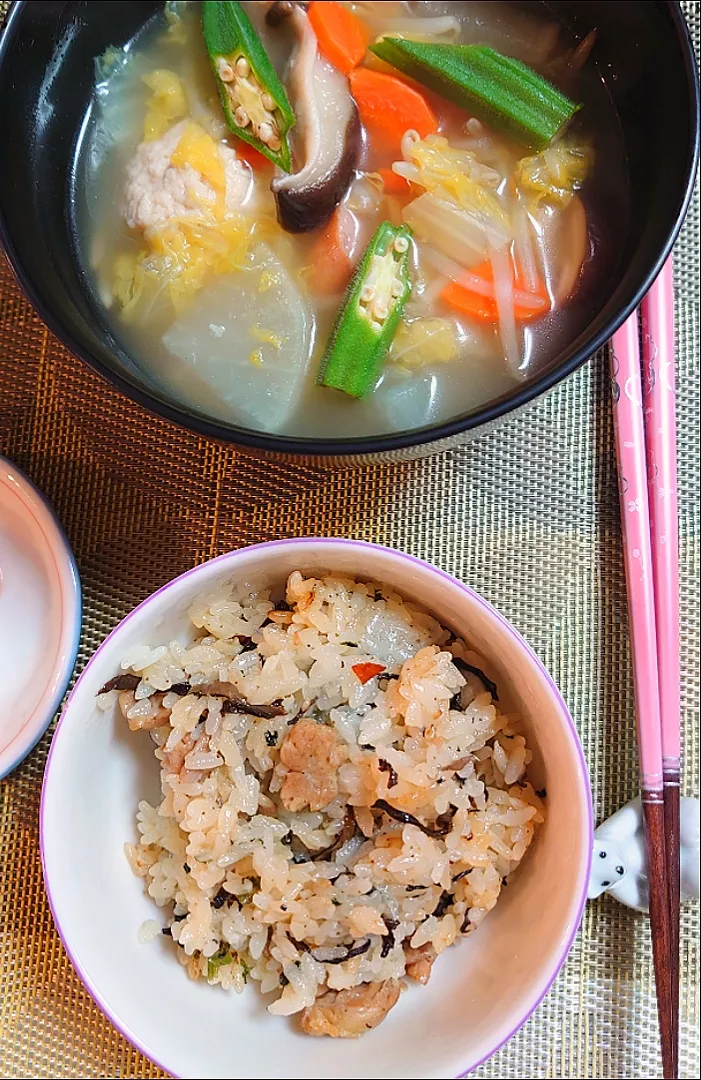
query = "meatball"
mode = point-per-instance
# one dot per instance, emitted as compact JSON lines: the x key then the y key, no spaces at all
{"x":157,"y":190}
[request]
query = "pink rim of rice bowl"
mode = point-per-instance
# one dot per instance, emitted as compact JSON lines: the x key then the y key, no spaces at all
{"x":464,"y":1048}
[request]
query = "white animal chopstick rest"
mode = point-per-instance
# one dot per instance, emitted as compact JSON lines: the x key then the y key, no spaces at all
{"x":619,"y":865}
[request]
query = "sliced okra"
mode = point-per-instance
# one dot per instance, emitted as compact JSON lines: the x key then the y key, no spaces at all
{"x":370,"y":314}
{"x":255,"y":104}
{"x":503,"y":92}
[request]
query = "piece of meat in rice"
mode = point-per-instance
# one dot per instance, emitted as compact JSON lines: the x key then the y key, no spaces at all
{"x":310,"y":757}
{"x":145,"y":715}
{"x":419,"y":962}
{"x":346,"y":1014}
{"x":156,"y":190}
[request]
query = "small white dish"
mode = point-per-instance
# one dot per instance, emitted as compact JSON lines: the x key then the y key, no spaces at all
{"x":40,"y":615}
{"x":481,"y":991}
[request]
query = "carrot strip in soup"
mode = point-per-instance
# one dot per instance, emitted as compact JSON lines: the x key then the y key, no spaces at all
{"x":394,"y":184}
{"x":253,"y":157}
{"x":342,"y":37}
{"x":389,"y":107}
{"x":528,"y":304}
{"x":331,"y":262}
{"x":469,"y":303}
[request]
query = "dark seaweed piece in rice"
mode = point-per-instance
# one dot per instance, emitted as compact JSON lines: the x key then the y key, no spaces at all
{"x":388,"y":941}
{"x":351,"y":952}
{"x":466,"y":926}
{"x":121,"y":682}
{"x":301,"y":853}
{"x":447,"y":900}
{"x":442,"y":826}
{"x":232,"y":702}
{"x":348,"y":831}
{"x":263,"y":712}
{"x":463,"y":667}
{"x":182,"y":689}
{"x":384,"y":766}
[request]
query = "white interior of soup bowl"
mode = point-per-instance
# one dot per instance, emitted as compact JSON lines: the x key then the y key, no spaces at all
{"x":481,"y":990}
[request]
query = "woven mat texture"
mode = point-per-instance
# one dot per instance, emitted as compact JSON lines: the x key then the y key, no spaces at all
{"x":528,"y":515}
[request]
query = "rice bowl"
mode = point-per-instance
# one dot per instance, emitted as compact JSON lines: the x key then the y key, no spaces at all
{"x":342,"y":798}
{"x":139,"y":986}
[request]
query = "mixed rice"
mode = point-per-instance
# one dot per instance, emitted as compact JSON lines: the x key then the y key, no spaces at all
{"x":342,"y":798}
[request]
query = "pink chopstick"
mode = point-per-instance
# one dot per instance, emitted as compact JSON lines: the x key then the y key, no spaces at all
{"x":637,"y":548}
{"x":661,"y":438}
{"x":657,"y":311}
{"x":635,"y":524}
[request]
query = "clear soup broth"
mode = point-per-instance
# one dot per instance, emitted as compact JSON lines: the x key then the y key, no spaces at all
{"x":231,"y":311}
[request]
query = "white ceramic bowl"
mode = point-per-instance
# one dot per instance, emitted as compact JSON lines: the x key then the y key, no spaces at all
{"x":481,"y":991}
{"x":39,"y":615}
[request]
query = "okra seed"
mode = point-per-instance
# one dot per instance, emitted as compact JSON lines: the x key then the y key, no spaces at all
{"x":225,"y":70}
{"x":265,"y":133}
{"x":380,"y":310}
{"x":397,"y":289}
{"x":242,"y":67}
{"x":274,"y":143}
{"x":367,"y":293}
{"x":376,"y":325}
{"x":268,"y":102}
{"x":241,"y":117}
{"x":401,"y":245}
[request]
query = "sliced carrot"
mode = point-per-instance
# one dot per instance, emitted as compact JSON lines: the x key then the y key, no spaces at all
{"x":342,"y":37}
{"x":389,"y":107}
{"x":469,"y":303}
{"x":393,"y":183}
{"x":464,"y":299}
{"x":330,"y":258}
{"x":365,"y":672}
{"x":255,"y":159}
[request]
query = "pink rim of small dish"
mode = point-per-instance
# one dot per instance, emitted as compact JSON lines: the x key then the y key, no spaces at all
{"x":48,"y":526}
{"x":411,"y":559}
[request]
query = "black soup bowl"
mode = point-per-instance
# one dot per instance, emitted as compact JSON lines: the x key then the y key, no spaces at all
{"x":47,"y":55}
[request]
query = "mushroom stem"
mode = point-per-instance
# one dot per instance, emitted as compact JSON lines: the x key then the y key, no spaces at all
{"x":328,"y":123}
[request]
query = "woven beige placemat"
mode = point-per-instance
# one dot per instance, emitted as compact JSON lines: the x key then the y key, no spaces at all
{"x":528,"y":515}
